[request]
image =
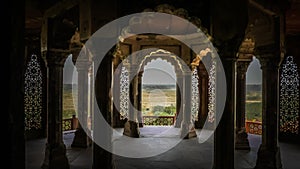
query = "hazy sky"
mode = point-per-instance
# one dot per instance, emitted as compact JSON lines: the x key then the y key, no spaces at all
{"x":159,"y":72}
{"x":162,"y":72}
{"x":68,"y":71}
{"x":254,"y":72}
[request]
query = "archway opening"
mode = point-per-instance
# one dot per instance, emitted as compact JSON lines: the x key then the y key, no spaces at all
{"x":159,"y":93}
{"x":254,"y":98}
{"x":69,"y":116}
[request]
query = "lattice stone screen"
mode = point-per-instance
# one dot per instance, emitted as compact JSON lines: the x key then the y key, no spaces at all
{"x":124,"y":93}
{"x":195,"y":95}
{"x":289,"y":97}
{"x":33,"y":95}
{"x":212,"y":92}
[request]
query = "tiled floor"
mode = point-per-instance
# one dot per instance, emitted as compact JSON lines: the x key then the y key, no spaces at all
{"x":187,"y":154}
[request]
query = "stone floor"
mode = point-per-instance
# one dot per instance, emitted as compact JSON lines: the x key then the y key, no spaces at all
{"x":161,"y":148}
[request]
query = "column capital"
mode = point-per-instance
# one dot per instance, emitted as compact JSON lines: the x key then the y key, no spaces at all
{"x":141,"y":73}
{"x":75,"y":53}
{"x":242,"y":67}
{"x":269,"y":56}
{"x":269,"y":61}
{"x":132,"y":69}
{"x":179,"y":74}
{"x":55,"y":57}
{"x":83,"y":65}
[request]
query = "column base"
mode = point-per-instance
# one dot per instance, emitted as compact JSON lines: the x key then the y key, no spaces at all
{"x":178,"y":122}
{"x":141,"y":124}
{"x":81,"y":139}
{"x":187,"y":131}
{"x":55,"y":157}
{"x":242,"y":142}
{"x":131,"y":129}
{"x":268,"y":158}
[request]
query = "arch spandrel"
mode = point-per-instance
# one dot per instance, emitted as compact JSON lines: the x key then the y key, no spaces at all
{"x":168,"y":43}
{"x":263,"y":26}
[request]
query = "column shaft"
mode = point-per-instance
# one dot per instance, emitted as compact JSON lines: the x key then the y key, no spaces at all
{"x":139,"y":100}
{"x":91,"y":96}
{"x":116,"y":95}
{"x":203,"y":96}
{"x":131,"y":127}
{"x":179,"y":99}
{"x":241,"y":142}
{"x":268,"y":155}
{"x":55,"y":153}
{"x":81,"y":138}
{"x":224,"y":134}
{"x":102,"y":134}
{"x":187,"y":127}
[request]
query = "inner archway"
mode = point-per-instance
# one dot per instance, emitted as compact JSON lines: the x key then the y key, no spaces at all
{"x":254,"y":98}
{"x":159,"y":93}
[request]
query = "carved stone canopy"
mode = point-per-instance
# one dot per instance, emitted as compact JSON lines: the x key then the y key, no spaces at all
{"x":167,"y":28}
{"x":167,"y":20}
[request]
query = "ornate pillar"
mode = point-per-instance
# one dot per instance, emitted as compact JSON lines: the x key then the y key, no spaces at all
{"x":224,"y":133}
{"x":91,"y":96}
{"x":116,"y":97}
{"x":15,"y":115}
{"x":203,"y":96}
{"x":55,"y":153}
{"x":82,"y":66}
{"x":139,"y":100}
{"x":102,"y":87}
{"x":187,"y":127}
{"x":131,"y":127}
{"x":268,"y":155}
{"x":241,"y":142}
{"x":179,"y":98}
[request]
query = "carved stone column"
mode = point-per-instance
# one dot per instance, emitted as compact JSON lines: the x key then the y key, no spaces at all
{"x":81,"y":138}
{"x":116,"y":95}
{"x":179,"y":98}
{"x":131,"y":127}
{"x":102,"y":158}
{"x":139,"y":100}
{"x":16,"y":153}
{"x":203,"y":96}
{"x":55,"y":153}
{"x":268,"y":155}
{"x":241,"y":141}
{"x":224,"y":133}
{"x":91,"y":96}
{"x":187,"y":127}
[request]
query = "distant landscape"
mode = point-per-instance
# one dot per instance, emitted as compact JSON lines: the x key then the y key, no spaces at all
{"x":68,"y":105}
{"x":160,"y":100}
{"x":253,"y":102}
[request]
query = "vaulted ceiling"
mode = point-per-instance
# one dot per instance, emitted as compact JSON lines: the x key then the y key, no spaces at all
{"x":35,"y":9}
{"x":293,"y":18}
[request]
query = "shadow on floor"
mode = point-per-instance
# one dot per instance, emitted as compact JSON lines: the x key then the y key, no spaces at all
{"x":185,"y":155}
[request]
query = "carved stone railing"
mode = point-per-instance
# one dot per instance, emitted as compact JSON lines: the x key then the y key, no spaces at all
{"x":159,"y":120}
{"x":254,"y":127}
{"x":69,"y":124}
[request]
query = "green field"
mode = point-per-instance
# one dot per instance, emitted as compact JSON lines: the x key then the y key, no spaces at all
{"x":161,"y":101}
{"x":253,"y":111}
{"x":68,"y":106}
{"x":253,"y":103}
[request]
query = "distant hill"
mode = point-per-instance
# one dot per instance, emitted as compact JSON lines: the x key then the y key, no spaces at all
{"x":253,"y":87}
{"x":160,"y":86}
